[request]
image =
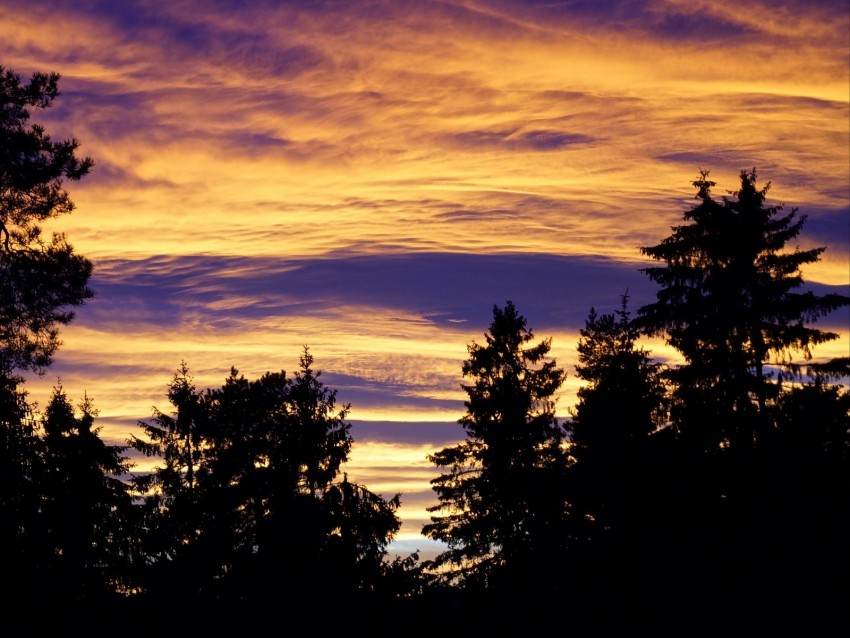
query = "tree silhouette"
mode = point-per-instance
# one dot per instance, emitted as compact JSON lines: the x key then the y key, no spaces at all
{"x":362,"y":523}
{"x":729,"y":301}
{"x":501,"y":501}
{"x":178,"y":560}
{"x":279,"y":453}
{"x":321,"y":436}
{"x":86,"y":505}
{"x":246,"y":508}
{"x":256,"y":464}
{"x":748,"y":513}
{"x":40,"y":279}
{"x":620,"y":407}
{"x":176,"y":438}
{"x":22,"y":555}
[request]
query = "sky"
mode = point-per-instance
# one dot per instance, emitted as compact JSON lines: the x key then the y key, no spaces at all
{"x":369,"y":179}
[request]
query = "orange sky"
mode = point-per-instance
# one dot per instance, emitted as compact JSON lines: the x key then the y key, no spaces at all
{"x":370,"y":178}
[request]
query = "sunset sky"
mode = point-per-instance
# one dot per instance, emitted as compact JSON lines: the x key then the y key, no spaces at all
{"x":370,"y":178}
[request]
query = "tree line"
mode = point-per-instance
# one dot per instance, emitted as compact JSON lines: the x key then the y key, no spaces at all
{"x":699,"y":491}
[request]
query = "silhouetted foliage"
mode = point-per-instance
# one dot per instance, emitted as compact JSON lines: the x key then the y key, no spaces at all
{"x":86,"y":507}
{"x":729,"y":302}
{"x":501,"y":506}
{"x":246,"y":507}
{"x":66,"y":517}
{"x":320,"y":440}
{"x":361,"y":524}
{"x":755,"y":506}
{"x":711,"y":492}
{"x":621,"y":403}
{"x":810,"y":461}
{"x":171,"y":510}
{"x":620,"y":407}
{"x":21,"y":472}
{"x":39,"y":278}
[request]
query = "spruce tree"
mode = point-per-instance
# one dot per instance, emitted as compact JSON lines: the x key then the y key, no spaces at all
{"x":756,"y":502}
{"x":501,"y":500}
{"x":22,"y":542}
{"x":86,"y":506}
{"x":732,"y":302}
{"x":620,"y":406}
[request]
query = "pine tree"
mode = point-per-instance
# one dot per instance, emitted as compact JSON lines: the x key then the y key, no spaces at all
{"x":22,"y":543}
{"x":86,"y":505}
{"x":172,"y":508}
{"x":246,"y":507}
{"x":754,"y":504}
{"x":501,"y":501}
{"x":621,"y":404}
{"x":40,"y":279}
{"x":321,"y":435}
{"x":730,"y":303}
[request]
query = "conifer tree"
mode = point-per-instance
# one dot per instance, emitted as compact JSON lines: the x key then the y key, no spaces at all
{"x":321,"y":435}
{"x":87,"y":507}
{"x":756,"y":502}
{"x":731,"y":302}
{"x":501,"y":501}
{"x":621,"y":404}
{"x":246,"y":506}
{"x":22,"y":554}
{"x":172,"y":493}
{"x":40,"y":279}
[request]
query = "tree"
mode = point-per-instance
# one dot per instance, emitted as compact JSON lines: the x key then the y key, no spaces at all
{"x":754,"y":500}
{"x":21,"y":472}
{"x":66,"y":517}
{"x":621,"y":404}
{"x":86,"y":505}
{"x":176,"y":438}
{"x":501,"y":501}
{"x":172,"y":494}
{"x":277,"y":446}
{"x":246,"y":507}
{"x":621,"y":465}
{"x":362,"y":523}
{"x":730,"y":303}
{"x":322,"y":436}
{"x":622,"y":401}
{"x":40,"y":279}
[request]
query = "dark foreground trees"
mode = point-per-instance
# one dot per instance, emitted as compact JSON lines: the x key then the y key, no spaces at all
{"x":86,"y":507}
{"x":621,"y":404}
{"x":246,"y":506}
{"x":20,"y":476}
{"x":731,"y":302}
{"x":761,"y":493}
{"x":732,"y":505}
{"x":713,"y":492}
{"x":501,"y":507}
{"x":40,"y":279}
{"x":245,"y":511}
{"x":621,"y":407}
{"x":67,"y":520}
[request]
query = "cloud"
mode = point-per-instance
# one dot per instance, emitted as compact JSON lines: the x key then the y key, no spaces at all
{"x":438,"y":288}
{"x":433,"y":434}
{"x":513,"y":140}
